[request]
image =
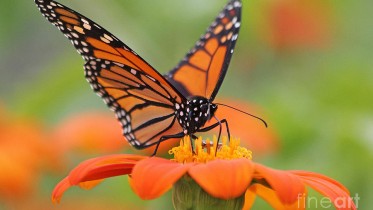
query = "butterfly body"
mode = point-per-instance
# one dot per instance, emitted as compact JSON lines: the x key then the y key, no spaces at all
{"x":151,"y":107}
{"x":194,"y":113}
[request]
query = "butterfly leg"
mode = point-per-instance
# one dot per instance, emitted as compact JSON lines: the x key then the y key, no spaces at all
{"x":218,"y":123}
{"x":164,"y":138}
{"x":228,"y":132}
{"x":194,"y":137}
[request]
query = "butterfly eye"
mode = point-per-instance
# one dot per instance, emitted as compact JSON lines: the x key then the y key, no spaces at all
{"x":213,"y":107}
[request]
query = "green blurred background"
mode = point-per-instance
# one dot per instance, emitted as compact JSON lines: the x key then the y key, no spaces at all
{"x":308,"y":66}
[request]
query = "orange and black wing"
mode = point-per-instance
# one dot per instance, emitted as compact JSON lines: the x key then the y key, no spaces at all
{"x":143,"y":105}
{"x":142,"y":99}
{"x":202,"y":70}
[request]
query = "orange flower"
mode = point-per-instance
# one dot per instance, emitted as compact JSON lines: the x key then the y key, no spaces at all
{"x":253,"y":133}
{"x":24,"y":154}
{"x":89,"y":132}
{"x":95,"y":132}
{"x":295,"y":23}
{"x":227,"y":178}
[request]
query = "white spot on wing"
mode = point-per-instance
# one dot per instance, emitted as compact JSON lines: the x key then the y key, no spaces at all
{"x":87,"y":26}
{"x":104,"y":40}
{"x":234,"y":20}
{"x":234,"y":37}
{"x":108,"y":37}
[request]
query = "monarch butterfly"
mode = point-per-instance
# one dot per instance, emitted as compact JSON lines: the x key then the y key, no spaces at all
{"x":150,"y":107}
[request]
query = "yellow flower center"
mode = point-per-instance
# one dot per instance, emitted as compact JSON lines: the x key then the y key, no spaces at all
{"x":204,"y":151}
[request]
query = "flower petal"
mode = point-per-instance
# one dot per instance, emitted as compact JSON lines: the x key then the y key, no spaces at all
{"x":287,"y":186}
{"x":224,"y":179}
{"x":332,"y":189}
{"x":59,"y":189}
{"x":154,"y":176}
{"x":90,"y":172}
{"x":271,"y":197}
{"x":90,"y":184}
{"x":249,"y":199}
{"x":103,"y":167}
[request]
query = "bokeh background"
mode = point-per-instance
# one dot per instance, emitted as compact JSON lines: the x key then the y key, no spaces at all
{"x":306,"y":67}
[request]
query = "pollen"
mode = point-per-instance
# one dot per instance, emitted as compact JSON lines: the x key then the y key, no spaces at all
{"x":206,"y":150}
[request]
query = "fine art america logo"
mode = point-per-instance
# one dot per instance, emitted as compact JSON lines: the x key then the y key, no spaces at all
{"x":310,"y":202}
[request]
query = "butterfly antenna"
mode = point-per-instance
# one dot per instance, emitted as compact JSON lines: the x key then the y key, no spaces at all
{"x":264,"y":122}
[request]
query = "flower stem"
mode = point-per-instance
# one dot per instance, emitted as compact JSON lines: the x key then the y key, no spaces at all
{"x":188,"y":195}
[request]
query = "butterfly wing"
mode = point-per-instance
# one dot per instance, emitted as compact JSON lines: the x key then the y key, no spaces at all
{"x":142,"y":104}
{"x":142,"y":99}
{"x":202,"y":70}
{"x":91,"y":40}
